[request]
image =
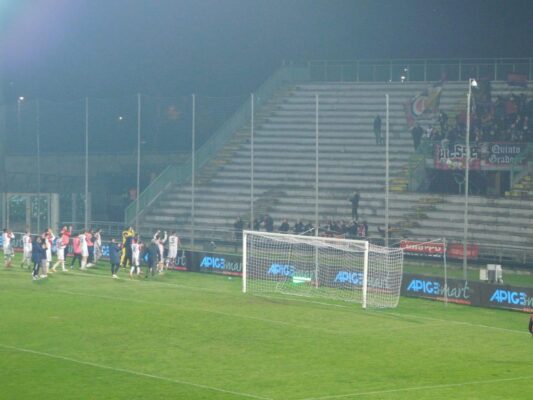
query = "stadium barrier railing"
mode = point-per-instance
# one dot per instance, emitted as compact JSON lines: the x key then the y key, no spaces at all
{"x":419,"y":70}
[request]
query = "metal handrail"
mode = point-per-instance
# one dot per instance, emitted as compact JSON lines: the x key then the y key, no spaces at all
{"x":428,"y":69}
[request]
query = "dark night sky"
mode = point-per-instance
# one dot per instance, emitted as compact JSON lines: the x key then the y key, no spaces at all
{"x":71,"y":48}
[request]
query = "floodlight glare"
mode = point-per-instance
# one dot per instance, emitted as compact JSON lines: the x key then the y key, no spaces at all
{"x":473,"y":82}
{"x":21,"y":98}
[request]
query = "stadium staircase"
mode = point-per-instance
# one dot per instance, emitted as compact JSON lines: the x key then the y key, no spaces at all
{"x":284,"y":172}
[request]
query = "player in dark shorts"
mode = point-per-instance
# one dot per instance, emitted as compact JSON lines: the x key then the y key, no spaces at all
{"x":152,"y":257}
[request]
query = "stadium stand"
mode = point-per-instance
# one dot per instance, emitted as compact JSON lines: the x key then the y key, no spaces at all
{"x":284,"y":173}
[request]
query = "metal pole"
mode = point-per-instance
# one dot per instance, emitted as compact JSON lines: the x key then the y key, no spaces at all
{"x":193,"y":161}
{"x":251,"y":227}
{"x":316,"y":187}
{"x":86,"y":220}
{"x":316,"y":164}
{"x":38,"y":133}
{"x":467,"y":170}
{"x":445,"y":275}
{"x":137,"y":204}
{"x":386,"y":171}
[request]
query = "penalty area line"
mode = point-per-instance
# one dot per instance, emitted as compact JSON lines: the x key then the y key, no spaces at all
{"x":415,"y":388}
{"x":130,"y":372}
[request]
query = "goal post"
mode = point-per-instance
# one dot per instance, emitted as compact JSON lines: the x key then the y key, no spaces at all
{"x":343,"y":269}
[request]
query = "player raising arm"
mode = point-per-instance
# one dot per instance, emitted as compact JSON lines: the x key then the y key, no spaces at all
{"x":7,"y":237}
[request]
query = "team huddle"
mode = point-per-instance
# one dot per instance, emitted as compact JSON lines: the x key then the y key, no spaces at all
{"x":132,"y":252}
{"x":86,"y":248}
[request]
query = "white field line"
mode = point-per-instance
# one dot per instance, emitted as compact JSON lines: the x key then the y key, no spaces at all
{"x":289,"y":298}
{"x":415,"y":388}
{"x":130,"y":372}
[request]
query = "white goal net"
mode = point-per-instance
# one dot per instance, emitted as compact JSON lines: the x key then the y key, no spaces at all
{"x":351,"y":270}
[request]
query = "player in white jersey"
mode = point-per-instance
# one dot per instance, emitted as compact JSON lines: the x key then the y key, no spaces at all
{"x":136,"y":249}
{"x":161,"y":245}
{"x":84,"y":250}
{"x":44,"y":260}
{"x":173,"y":243}
{"x":61,"y":248}
{"x":97,"y":239}
{"x":50,"y":238}
{"x":7,"y":237}
{"x":26,"y":250}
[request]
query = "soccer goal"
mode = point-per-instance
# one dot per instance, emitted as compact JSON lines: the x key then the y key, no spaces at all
{"x":351,"y":270}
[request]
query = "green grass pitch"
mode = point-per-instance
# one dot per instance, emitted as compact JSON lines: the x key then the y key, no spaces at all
{"x":83,"y":335}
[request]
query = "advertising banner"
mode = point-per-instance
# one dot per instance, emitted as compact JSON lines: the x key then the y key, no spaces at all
{"x":436,"y":250}
{"x":182,"y":261}
{"x":480,"y":294}
{"x":455,"y":250}
{"x":453,"y":156}
{"x":423,"y":249}
{"x":508,"y":297}
{"x":433,"y":288}
{"x":487,"y":155}
{"x":216,"y":263}
{"x":500,"y":156}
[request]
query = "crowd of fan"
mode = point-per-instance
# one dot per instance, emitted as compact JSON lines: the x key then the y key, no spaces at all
{"x":504,"y":120}
{"x":342,"y":228}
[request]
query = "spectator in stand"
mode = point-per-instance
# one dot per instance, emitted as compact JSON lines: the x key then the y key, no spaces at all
{"x":268,"y":223}
{"x":238,"y":226}
{"x":429,"y":132}
{"x":354,"y":199}
{"x":377,"y":130}
{"x":257,"y":224}
{"x":443,"y":121}
{"x":284,"y":226}
{"x":352,"y":229}
{"x":309,"y":229}
{"x":360,"y":231}
{"x":298,"y":227}
{"x":417,"y":132}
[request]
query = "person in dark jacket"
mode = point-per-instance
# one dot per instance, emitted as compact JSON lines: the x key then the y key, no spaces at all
{"x":114,"y":257}
{"x":531,"y":324}
{"x":38,"y":254}
{"x":354,"y":199}
{"x":152,"y":255}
